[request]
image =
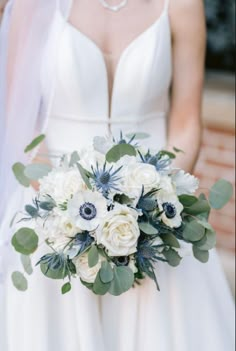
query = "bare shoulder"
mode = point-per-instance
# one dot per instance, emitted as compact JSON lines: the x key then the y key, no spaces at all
{"x":187,"y":16}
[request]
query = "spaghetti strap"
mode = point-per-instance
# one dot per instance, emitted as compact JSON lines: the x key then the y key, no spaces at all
{"x":167,"y":3}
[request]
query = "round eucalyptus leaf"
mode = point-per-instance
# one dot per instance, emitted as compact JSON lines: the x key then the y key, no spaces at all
{"x":208,"y":242}
{"x":53,"y":274}
{"x":200,"y":255}
{"x":123,"y":280}
{"x":147,"y":228}
{"x":188,"y":200}
{"x":93,"y":256}
{"x":118,"y":151}
{"x":66,"y":288}
{"x":36,"y":171}
{"x":172,"y":257}
{"x":19,"y":172}
{"x":19,"y":281}
{"x":199,"y":207}
{"x":106,"y":272}
{"x":88,"y":285}
{"x":170,"y":239}
{"x":138,"y":136}
{"x":220,"y":193}
{"x":38,"y":140}
{"x":99,"y":287}
{"x":25,"y":241}
{"x":26,"y":262}
{"x":193,"y":231}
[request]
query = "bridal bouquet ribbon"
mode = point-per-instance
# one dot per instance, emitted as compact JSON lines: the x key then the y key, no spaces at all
{"x":110,"y":214}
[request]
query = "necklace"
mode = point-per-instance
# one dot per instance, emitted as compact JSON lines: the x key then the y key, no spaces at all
{"x":114,"y":8}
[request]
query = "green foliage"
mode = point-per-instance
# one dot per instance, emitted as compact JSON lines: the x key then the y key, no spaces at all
{"x":172,"y":257}
{"x":56,"y":274}
{"x":66,"y":288}
{"x":193,"y":231}
{"x":26,"y":262}
{"x":147,"y":228}
{"x":138,"y":136}
{"x":170,"y":239}
{"x":123,"y":280}
{"x":36,"y":171}
{"x":200,"y":255}
{"x":84,"y":175}
{"x":188,"y":200}
{"x":200,"y":206}
{"x":93,"y":256}
{"x":99,"y":287}
{"x":19,"y":172}
{"x":74,"y":159}
{"x":208,"y":242}
{"x":19,"y":281}
{"x":38,"y":140}
{"x":118,"y":151}
{"x":171,"y":155}
{"x":220,"y":193}
{"x":25,"y":241}
{"x":106,"y":272}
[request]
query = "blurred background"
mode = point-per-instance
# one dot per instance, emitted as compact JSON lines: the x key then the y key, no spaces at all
{"x":217,"y":157}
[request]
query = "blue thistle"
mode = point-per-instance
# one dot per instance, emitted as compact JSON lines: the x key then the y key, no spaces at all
{"x":106,"y":179}
{"x":161,"y":163}
{"x":122,"y":140}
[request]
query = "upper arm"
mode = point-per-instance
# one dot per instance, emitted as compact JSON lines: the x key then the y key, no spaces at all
{"x":189,"y":38}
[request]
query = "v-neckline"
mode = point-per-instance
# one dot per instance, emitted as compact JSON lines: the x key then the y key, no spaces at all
{"x":121,"y":56}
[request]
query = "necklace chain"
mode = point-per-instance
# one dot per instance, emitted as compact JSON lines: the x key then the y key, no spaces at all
{"x":114,"y":8}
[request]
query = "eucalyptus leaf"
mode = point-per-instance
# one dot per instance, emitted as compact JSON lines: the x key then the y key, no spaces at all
{"x":106,"y":272}
{"x":178,"y":150}
{"x":26,"y":262}
{"x":172,"y":257}
{"x":138,"y":136}
{"x":162,"y":153}
{"x":118,"y":151}
{"x":193,"y":231}
{"x":200,"y":255}
{"x":66,"y":288}
{"x":188,"y":200}
{"x":88,"y":285}
{"x":147,"y":228}
{"x":19,"y":281}
{"x":38,"y":140}
{"x":51,"y":273}
{"x":208,"y":242}
{"x":36,"y":171}
{"x":93,"y":256}
{"x":25,"y":241}
{"x":220,"y":193}
{"x":74,"y":158}
{"x":84,"y":175}
{"x":123,"y":280}
{"x":170,"y":239}
{"x":19,"y":172}
{"x":199,"y":207}
{"x":99,"y":287}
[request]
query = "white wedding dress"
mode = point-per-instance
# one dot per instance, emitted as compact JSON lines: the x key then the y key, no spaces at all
{"x":194,"y":310}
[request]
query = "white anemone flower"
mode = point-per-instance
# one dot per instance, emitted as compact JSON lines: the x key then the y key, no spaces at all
{"x":185,"y":183}
{"x":171,"y":207}
{"x":87,"y":209}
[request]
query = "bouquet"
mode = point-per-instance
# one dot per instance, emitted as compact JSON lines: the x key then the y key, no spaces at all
{"x":110,"y":213}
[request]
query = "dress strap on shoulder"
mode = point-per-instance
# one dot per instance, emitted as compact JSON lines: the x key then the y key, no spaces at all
{"x":167,"y":3}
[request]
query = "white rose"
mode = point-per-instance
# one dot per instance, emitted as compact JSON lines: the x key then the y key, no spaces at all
{"x":58,"y":229}
{"x":119,"y":231}
{"x":90,"y":157}
{"x":138,"y":175}
{"x":86,"y":273}
{"x":61,"y":185}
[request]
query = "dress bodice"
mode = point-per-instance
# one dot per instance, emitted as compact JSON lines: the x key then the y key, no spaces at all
{"x":81,"y":107}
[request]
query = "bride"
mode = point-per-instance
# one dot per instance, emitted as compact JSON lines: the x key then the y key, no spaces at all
{"x":78,"y":69}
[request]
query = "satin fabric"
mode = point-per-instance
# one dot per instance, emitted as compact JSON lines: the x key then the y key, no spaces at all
{"x":194,"y":309}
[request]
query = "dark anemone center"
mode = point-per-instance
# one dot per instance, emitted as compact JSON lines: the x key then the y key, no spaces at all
{"x":88,"y":211}
{"x":169,"y":209}
{"x":122,"y":261}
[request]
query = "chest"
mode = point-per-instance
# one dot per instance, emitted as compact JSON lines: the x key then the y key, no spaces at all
{"x":112,"y":31}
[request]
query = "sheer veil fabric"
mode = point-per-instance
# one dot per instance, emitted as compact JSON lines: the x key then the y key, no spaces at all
{"x":24,"y":40}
